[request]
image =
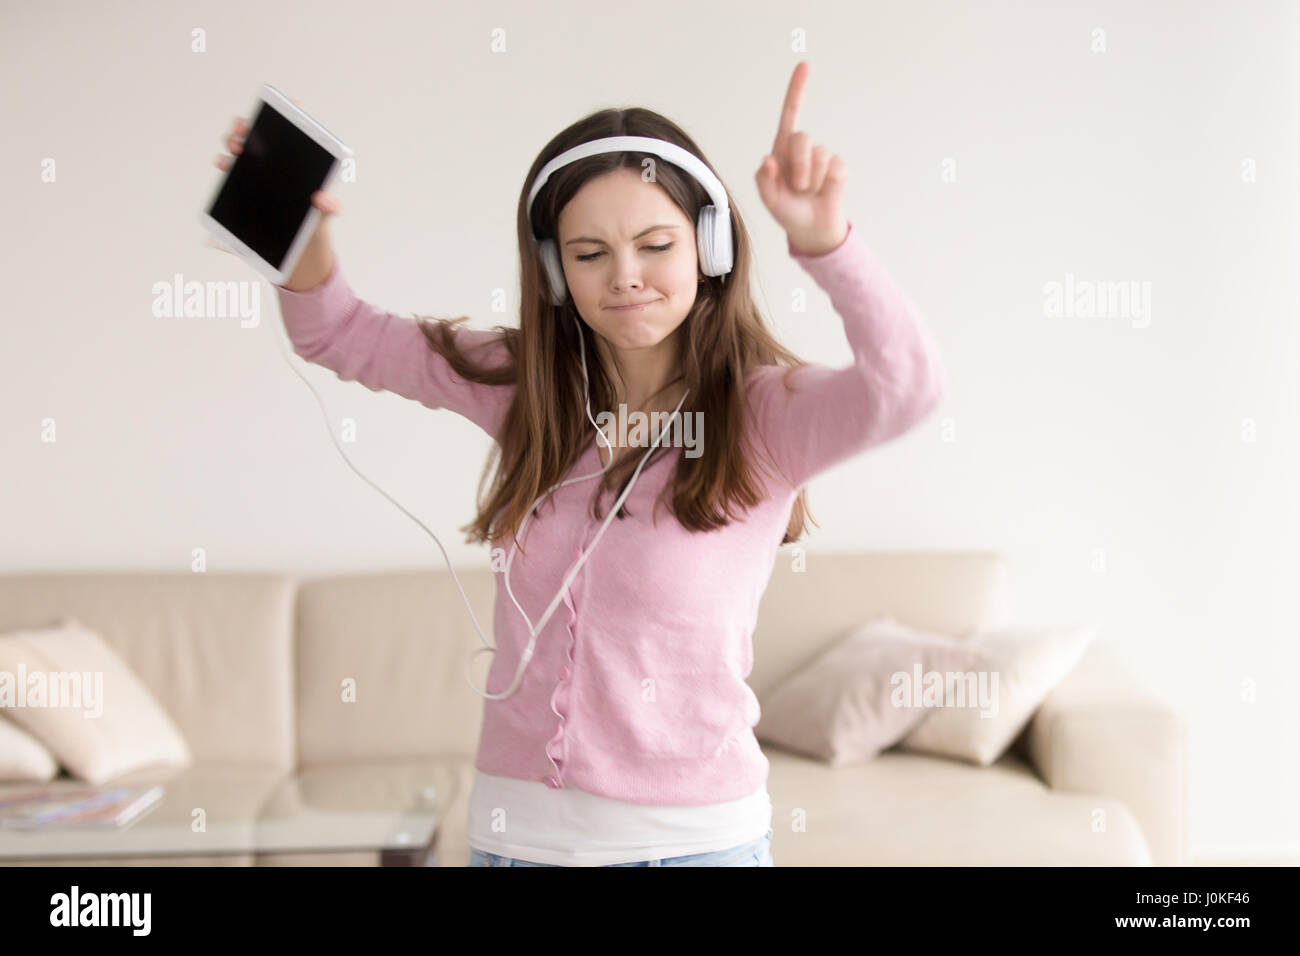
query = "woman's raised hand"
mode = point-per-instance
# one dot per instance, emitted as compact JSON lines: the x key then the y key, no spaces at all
{"x":802,"y":184}
{"x":318,"y":258}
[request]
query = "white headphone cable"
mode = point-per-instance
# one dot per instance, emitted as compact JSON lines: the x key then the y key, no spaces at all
{"x":533,"y":630}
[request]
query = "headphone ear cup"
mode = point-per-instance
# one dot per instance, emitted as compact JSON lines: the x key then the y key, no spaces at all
{"x":713,"y":236}
{"x":550,"y":256}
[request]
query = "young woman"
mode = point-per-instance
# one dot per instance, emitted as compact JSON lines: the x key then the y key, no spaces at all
{"x":617,"y":729}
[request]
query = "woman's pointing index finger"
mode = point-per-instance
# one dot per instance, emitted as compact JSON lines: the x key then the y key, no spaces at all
{"x":790,"y":110}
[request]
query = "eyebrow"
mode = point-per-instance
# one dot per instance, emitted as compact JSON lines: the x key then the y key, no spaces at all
{"x":601,"y":242}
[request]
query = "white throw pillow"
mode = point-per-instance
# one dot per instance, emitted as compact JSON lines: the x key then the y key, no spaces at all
{"x":1024,"y":665}
{"x":23,"y":757}
{"x":95,"y":716}
{"x":842,"y":707}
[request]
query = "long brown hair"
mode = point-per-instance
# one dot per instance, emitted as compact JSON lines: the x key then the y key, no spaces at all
{"x":723,"y":338}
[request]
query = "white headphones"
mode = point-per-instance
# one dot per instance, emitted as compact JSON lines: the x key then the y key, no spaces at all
{"x":713,"y":230}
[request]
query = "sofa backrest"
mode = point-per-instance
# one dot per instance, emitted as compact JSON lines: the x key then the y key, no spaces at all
{"x":262,"y":669}
{"x":215,"y":649}
{"x":812,"y":602}
{"x":380,"y":660}
{"x":381,"y":656}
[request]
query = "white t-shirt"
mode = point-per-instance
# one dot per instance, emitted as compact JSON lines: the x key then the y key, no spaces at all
{"x":574,"y":828}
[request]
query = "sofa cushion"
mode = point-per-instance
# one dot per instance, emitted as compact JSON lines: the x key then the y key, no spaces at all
{"x":64,"y":685}
{"x":22,"y":756}
{"x":908,"y":809}
{"x":1024,"y":665}
{"x":849,"y":703}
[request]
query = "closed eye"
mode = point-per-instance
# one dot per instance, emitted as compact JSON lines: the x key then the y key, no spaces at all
{"x":592,"y":255}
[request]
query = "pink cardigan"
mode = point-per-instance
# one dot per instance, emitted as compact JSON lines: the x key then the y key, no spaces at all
{"x":636,"y":690}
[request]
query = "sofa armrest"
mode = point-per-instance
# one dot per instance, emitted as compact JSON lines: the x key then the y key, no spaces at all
{"x":1102,"y":731}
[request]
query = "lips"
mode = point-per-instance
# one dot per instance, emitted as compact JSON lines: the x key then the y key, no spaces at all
{"x":632,"y":306}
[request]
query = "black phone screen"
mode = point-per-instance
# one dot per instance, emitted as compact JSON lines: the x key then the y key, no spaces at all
{"x":267,"y":192}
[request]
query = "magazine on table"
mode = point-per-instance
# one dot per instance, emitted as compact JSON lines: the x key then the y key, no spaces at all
{"x":51,"y":807}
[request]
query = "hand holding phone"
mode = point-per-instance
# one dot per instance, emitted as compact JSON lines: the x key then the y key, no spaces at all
{"x":273,"y":206}
{"x":318,"y":258}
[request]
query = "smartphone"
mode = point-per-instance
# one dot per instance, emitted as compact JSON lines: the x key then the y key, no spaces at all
{"x":261,"y":209}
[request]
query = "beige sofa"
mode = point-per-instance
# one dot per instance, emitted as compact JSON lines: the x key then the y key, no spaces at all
{"x":250,"y":666}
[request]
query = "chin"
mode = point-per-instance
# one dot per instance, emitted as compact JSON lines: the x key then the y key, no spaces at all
{"x":635,"y":338}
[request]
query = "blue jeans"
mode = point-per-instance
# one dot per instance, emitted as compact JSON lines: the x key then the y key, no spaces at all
{"x":755,"y":853}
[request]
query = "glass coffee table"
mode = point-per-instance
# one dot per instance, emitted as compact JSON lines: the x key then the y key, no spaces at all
{"x":379,"y":812}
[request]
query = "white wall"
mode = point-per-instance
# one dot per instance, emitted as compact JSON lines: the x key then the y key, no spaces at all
{"x":1138,"y":474}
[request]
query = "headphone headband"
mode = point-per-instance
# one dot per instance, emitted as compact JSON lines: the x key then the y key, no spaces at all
{"x":640,"y":144}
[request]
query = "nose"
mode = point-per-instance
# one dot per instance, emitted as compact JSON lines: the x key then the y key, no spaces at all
{"x":627,"y":273}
